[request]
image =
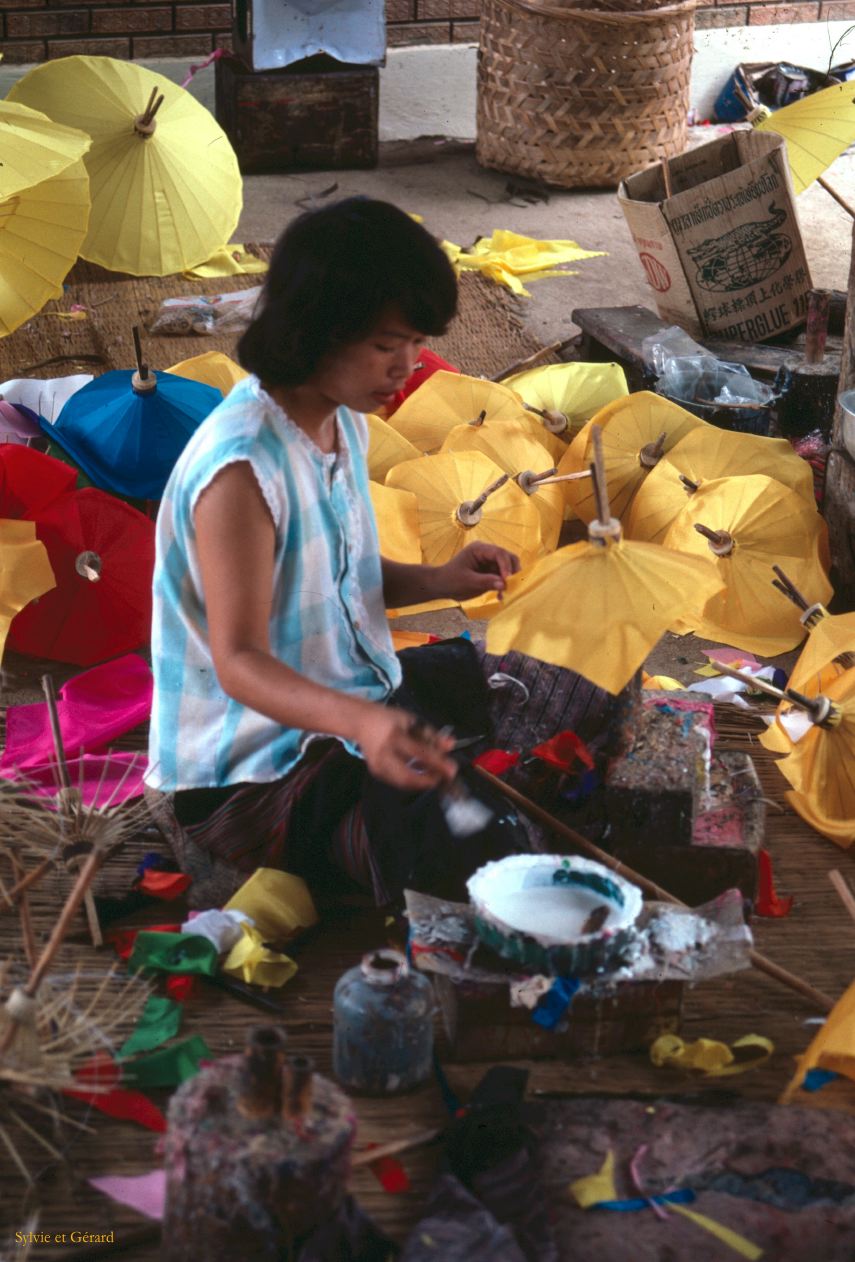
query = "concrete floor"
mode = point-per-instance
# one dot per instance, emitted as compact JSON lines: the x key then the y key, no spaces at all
{"x":447,"y":186}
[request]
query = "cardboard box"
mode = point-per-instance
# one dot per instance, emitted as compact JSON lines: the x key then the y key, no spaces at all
{"x":723,"y":254}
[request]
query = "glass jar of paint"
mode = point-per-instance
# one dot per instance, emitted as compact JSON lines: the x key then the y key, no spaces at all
{"x":382,"y":1026}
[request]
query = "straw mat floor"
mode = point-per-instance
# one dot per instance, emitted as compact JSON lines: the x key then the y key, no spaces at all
{"x":817,"y":941}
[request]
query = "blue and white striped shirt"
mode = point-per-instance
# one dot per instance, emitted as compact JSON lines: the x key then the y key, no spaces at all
{"x":327,"y":621}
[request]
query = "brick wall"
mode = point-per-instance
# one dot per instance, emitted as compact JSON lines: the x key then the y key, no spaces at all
{"x":35,"y":30}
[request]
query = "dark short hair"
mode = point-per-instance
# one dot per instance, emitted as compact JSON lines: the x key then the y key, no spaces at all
{"x":332,"y":273}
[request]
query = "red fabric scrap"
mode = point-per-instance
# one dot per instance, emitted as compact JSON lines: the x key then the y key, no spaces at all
{"x":768,"y":902}
{"x":180,"y":986}
{"x":417,"y":950}
{"x":165,"y":885}
{"x":564,"y":750}
{"x":123,"y":939}
{"x":118,"y":1102}
{"x":497,"y":761}
{"x":389,"y":1173}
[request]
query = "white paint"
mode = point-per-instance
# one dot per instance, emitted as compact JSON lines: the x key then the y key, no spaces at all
{"x":551,"y":913}
{"x":431,"y":90}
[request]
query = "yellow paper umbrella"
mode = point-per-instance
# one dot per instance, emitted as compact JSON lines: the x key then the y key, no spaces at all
{"x":821,"y":766}
{"x":570,"y":394}
{"x":832,"y":1047}
{"x":386,"y":447}
{"x":463,"y":497}
{"x":747,"y":525}
{"x":397,"y":516}
{"x":213,"y":368}
{"x":598,"y":607}
{"x":701,"y":456}
{"x":447,"y":399}
{"x":25,"y":571}
{"x":817,"y":129}
{"x":164,"y":180}
{"x":524,"y":458}
{"x":44,"y":210}
{"x":637,"y":431}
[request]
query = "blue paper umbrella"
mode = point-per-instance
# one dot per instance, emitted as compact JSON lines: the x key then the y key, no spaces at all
{"x":126,"y":429}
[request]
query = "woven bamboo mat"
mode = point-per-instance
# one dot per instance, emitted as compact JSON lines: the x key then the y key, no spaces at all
{"x":487,"y":335}
{"x":817,"y":941}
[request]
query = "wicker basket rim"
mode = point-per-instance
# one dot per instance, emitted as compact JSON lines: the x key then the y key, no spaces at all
{"x":613,"y":16}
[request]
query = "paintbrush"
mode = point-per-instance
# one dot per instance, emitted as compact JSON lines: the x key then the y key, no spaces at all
{"x":464,"y":813}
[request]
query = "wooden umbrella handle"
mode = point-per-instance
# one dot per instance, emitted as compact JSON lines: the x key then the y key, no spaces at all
{"x":760,"y":962}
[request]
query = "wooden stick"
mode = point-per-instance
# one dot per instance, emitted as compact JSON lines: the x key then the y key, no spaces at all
{"x":142,"y":368}
{"x":598,"y":473}
{"x":666,"y":177}
{"x":816,"y":328}
{"x":847,"y":898}
{"x":24,"y":884}
{"x":395,"y":1146}
{"x":563,"y":477}
{"x":520,"y":364}
{"x":789,"y":589}
{"x":26,"y":920}
{"x":841,"y":201}
{"x":760,"y":962}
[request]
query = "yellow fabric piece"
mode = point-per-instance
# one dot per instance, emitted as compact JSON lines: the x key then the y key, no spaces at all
{"x":710,"y":1057}
{"x":770,"y":524}
{"x":663,"y":683}
{"x":160,"y":203}
{"x":731,"y":1238}
{"x":228,"y":260}
{"x":251,"y":961}
{"x":578,"y":391}
{"x":397,"y":515}
{"x":506,"y":256}
{"x":817,"y":130}
{"x":278,"y":902}
{"x":25,"y":571}
{"x":594,"y":1188}
{"x":448,"y":399}
{"x":407,"y":640}
{"x":212,"y":368}
{"x":707,"y":672}
{"x":44,"y":210}
{"x":443,"y":483}
{"x":628,"y":426}
{"x":833,"y":1046}
{"x":632,"y":593}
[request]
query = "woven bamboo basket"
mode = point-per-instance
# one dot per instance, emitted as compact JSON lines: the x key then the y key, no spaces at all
{"x":581,"y":98}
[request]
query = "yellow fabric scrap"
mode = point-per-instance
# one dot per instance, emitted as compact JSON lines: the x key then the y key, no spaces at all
{"x":710,"y":1057}
{"x":25,"y":571}
{"x":279,"y":903}
{"x":251,"y":961}
{"x":506,"y":256}
{"x":833,"y":1048}
{"x":229,"y":260}
{"x":662,"y":683}
{"x":594,"y":1188}
{"x":708,"y":671}
{"x":731,"y":1238}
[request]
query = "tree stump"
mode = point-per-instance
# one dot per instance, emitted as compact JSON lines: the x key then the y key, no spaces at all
{"x":839,"y":505}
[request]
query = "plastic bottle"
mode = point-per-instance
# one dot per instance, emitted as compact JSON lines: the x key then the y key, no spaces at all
{"x":382,"y":1026}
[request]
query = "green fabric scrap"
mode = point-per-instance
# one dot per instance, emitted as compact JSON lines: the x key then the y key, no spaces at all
{"x":170,"y":1066}
{"x":159,"y":1022}
{"x":174,"y":953}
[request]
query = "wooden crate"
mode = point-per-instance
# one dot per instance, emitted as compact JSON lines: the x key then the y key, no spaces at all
{"x":317,"y":114}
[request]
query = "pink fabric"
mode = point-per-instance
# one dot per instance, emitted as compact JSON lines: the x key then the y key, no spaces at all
{"x":94,"y":708}
{"x":146,"y":1193}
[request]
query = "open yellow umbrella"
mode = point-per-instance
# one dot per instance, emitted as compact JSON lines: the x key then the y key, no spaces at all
{"x":164,"y":180}
{"x":44,"y":210}
{"x":637,"y":431}
{"x":747,"y":525}
{"x":25,"y":571}
{"x":702,"y":456}
{"x":817,"y":129}
{"x":463,"y":497}
{"x":821,"y":765}
{"x":386,"y":447}
{"x":397,"y":516}
{"x":515,"y":452}
{"x":447,"y":399}
{"x":212,"y":368}
{"x":569,"y":394}
{"x":598,"y":607}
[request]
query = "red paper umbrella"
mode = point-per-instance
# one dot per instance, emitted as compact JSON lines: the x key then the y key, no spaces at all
{"x":429,"y":363}
{"x":101,"y":551}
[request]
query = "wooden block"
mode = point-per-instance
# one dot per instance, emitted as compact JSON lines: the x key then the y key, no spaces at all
{"x":317,"y":114}
{"x":480,"y":1024}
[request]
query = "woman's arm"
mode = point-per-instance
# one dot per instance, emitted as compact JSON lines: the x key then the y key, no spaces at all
{"x":479,"y":567}
{"x":235,"y":540}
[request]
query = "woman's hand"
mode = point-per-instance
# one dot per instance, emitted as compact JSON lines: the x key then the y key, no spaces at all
{"x":480,"y":567}
{"x":402,"y":751}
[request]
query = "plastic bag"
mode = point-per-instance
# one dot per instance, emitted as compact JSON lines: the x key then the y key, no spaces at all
{"x":686,"y":370}
{"x":206,"y":313}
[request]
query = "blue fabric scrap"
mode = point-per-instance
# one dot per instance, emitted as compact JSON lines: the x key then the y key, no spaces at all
{"x":552,"y":1006}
